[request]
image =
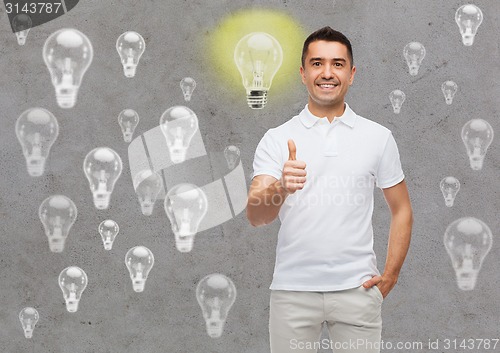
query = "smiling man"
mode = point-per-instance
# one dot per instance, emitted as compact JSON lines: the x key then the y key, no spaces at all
{"x":317,"y":172}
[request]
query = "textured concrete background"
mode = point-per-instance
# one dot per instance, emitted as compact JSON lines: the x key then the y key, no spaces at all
{"x":425,"y":304}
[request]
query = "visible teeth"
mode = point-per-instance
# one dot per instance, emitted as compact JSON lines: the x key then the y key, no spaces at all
{"x":328,"y":85}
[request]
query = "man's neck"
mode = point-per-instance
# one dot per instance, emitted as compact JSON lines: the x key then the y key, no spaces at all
{"x":329,"y":112}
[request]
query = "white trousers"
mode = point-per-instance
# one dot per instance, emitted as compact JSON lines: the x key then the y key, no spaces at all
{"x":353,"y":317}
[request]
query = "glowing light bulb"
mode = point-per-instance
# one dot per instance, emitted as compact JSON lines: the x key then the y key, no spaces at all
{"x":21,"y":24}
{"x":148,"y":185}
{"x":186,"y":206}
{"x":28,"y":317}
{"x":57,"y":214}
{"x":109,"y":230}
{"x":67,"y":54}
{"x":37,"y":130}
{"x":216,"y":294}
{"x":139,"y":261}
{"x":449,"y":89}
{"x":477,"y":135}
{"x":258,"y":57}
{"x":468,"y":18}
{"x":178,"y":124}
{"x":130,"y":46}
{"x":397,"y":99}
{"x":449,"y":187}
{"x":128,"y":120}
{"x":414,"y":53}
{"x":73,"y":281}
{"x":232,"y":155}
{"x":467,"y":240}
{"x":187,"y":86}
{"x":102,"y":167}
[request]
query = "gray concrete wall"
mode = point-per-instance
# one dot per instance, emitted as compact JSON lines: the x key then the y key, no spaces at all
{"x":425,"y":305}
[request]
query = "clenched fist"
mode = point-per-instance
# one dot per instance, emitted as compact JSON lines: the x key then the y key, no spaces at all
{"x":294,"y":172}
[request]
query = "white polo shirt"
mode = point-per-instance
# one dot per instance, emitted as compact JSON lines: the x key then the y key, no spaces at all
{"x":325,"y":242}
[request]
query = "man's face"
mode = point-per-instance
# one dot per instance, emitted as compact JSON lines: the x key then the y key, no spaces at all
{"x":327,"y":73}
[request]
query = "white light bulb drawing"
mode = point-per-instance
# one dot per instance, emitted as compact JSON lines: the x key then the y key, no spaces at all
{"x":57,"y":214}
{"x":232,"y":155}
{"x":130,"y":46}
{"x":28,"y":317}
{"x":73,"y":281}
{"x":21,"y":24}
{"x":216,"y":294}
{"x":37,"y":130}
{"x":109,"y":230}
{"x":128,"y":120}
{"x":188,"y":85}
{"x":148,"y":185}
{"x":449,"y":89}
{"x":68,"y":54}
{"x":139,"y":261}
{"x":449,"y":187}
{"x":414,"y":53}
{"x":397,"y":98}
{"x":467,"y":240}
{"x":186,"y":205}
{"x":468,"y":18}
{"x":258,"y":56}
{"x":178,"y":124}
{"x":477,"y":135}
{"x":102,"y":167}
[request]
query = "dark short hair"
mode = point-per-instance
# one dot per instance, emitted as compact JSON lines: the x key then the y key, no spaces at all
{"x":330,"y":35}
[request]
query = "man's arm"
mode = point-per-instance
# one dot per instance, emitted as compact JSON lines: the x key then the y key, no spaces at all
{"x":267,"y":193}
{"x":398,"y":200}
{"x":265,"y":198}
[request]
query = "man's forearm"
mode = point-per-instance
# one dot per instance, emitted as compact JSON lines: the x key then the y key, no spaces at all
{"x":264,"y":205}
{"x":399,"y":242}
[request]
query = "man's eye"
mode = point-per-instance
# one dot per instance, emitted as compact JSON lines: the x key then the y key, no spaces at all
{"x":338,"y":64}
{"x":316,"y":64}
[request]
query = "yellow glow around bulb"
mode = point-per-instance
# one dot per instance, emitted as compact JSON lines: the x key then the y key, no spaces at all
{"x":222,"y":42}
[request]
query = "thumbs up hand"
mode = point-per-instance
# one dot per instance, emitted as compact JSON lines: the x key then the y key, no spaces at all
{"x":294,"y":173}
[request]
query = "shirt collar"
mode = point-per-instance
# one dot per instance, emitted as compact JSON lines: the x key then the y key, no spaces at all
{"x":308,"y":119}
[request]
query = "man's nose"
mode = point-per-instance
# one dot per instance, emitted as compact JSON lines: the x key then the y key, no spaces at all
{"x":327,"y":72}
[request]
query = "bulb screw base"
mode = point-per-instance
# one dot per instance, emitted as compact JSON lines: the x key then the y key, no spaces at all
{"x":214,"y":329}
{"x":129,"y":70}
{"x":72,"y":305}
{"x":468,"y":40}
{"x":127,"y":137}
{"x":413,"y":70}
{"x":466,"y":280}
{"x":36,"y":166}
{"x":138,"y":285}
{"x":21,"y":40}
{"x":56,"y":246}
{"x":66,"y":100}
{"x":184,"y":243}
{"x":147,"y":208}
{"x":177,"y":155}
{"x":101,"y":200}
{"x":257,"y":99}
{"x":476,"y":163}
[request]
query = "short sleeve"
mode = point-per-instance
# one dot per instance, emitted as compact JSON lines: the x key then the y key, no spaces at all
{"x":389,"y":171}
{"x":267,"y":158}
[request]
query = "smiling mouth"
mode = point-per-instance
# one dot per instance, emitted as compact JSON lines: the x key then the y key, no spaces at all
{"x":327,"y":85}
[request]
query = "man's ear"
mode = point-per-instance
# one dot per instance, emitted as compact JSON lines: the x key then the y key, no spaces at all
{"x":302,"y":75}
{"x":353,"y":71}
